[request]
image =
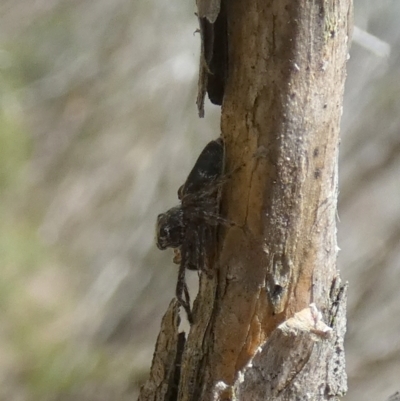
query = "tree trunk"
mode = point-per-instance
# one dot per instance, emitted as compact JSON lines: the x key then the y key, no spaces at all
{"x":270,"y":324}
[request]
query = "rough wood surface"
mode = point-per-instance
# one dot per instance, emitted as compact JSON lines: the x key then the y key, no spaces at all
{"x":270,"y":324}
{"x":303,"y":359}
{"x":163,"y":382}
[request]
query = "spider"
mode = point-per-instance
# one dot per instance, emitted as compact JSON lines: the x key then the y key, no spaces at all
{"x":190,"y":228}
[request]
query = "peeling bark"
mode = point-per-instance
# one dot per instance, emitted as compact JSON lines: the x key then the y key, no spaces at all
{"x":213,"y":67}
{"x":163,"y":382}
{"x":300,"y":360}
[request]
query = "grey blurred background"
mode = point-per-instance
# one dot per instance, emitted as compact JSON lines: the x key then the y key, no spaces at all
{"x":98,"y":128}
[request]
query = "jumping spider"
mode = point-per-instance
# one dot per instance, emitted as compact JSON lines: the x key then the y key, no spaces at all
{"x":190,"y":228}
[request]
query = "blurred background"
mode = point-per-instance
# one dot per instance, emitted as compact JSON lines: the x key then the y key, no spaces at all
{"x":98,"y":128}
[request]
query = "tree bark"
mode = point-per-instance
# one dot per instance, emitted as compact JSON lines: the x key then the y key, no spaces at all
{"x":270,"y":324}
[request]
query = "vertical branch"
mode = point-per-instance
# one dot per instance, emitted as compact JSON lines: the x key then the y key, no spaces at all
{"x":281,"y":115}
{"x":269,"y":324}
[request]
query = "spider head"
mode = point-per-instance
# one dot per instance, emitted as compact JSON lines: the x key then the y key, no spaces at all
{"x":170,"y":229}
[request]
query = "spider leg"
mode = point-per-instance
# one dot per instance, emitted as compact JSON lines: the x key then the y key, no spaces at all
{"x":199,"y":246}
{"x":207,"y":247}
{"x":177,"y":256}
{"x":210,"y":189}
{"x":187,"y":299}
{"x":214,"y":219}
{"x":182,"y":292}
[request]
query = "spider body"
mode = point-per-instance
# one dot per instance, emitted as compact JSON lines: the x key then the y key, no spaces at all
{"x":190,"y":228}
{"x":204,"y":174}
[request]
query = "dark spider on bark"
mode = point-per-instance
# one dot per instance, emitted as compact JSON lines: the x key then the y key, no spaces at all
{"x":190,"y":228}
